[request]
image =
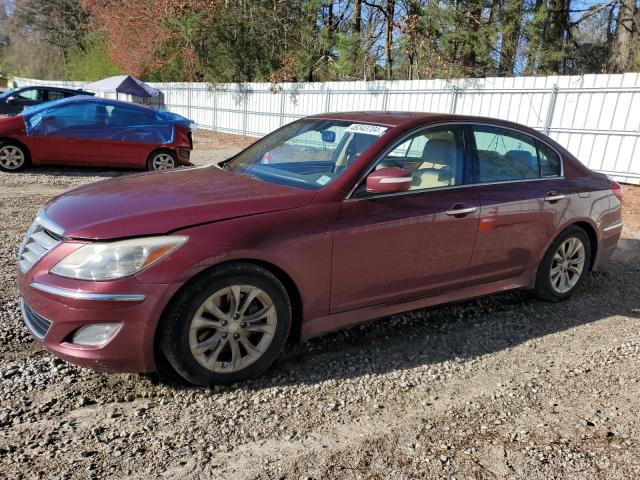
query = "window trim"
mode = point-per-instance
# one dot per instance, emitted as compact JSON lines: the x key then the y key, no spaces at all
{"x":468,"y":150}
{"x":400,"y":141}
{"x":531,"y":138}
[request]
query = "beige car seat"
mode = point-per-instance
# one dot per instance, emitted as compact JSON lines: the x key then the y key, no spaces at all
{"x":438,"y":159}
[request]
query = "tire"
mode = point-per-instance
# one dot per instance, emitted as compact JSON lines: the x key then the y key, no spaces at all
{"x":208,"y":349}
{"x":162,"y":160}
{"x":13,"y":157}
{"x":570,"y":265}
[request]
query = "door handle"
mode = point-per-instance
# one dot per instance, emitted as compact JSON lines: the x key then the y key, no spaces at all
{"x":553,"y":197}
{"x":461,"y":211}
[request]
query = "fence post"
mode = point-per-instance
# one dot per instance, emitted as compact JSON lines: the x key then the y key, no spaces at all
{"x":454,"y":99}
{"x":189,"y":104}
{"x":385,"y":98}
{"x":327,"y":101}
{"x":283,"y":94}
{"x":551,"y":110}
{"x":215,"y":106}
{"x":245,"y":96}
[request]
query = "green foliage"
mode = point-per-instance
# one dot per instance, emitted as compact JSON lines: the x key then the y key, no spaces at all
{"x":315,"y":40}
{"x":90,"y":61}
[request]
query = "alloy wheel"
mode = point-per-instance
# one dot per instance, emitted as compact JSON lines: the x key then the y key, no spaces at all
{"x":163,"y":161}
{"x":232,"y":328}
{"x":11,"y":157}
{"x":567,"y":265}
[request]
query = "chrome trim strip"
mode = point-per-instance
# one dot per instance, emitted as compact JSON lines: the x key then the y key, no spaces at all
{"x":43,"y":220}
{"x":612,"y":227}
{"x":77,"y":295}
{"x":350,"y":197}
{"x":28,"y":322}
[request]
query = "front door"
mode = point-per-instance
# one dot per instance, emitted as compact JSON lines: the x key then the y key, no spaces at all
{"x":70,"y":134}
{"x":392,"y":247}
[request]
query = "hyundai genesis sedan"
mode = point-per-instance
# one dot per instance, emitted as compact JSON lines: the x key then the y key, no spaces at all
{"x":329,"y":221}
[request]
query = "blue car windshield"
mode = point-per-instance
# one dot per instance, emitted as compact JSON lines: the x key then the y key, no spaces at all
{"x":309,"y":153}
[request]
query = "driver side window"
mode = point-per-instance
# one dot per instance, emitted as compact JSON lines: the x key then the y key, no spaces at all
{"x":433,"y":157}
{"x":30,"y":95}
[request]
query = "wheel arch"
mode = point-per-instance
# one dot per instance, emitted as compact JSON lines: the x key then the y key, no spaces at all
{"x":286,"y":280}
{"x":593,"y":239}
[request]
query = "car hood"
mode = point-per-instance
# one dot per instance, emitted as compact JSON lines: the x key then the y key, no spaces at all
{"x":158,"y":203}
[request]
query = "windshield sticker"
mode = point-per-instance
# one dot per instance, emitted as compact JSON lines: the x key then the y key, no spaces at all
{"x":323,"y":180}
{"x":366,"y":129}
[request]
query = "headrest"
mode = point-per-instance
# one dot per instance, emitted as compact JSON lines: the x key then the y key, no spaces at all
{"x":439,"y":151}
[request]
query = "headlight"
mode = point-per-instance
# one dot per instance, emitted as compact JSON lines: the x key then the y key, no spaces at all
{"x":106,"y":261}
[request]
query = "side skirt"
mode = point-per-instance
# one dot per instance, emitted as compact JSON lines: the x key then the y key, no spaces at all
{"x":336,"y":321}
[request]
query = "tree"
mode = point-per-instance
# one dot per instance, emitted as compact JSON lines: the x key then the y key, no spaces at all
{"x":625,"y":39}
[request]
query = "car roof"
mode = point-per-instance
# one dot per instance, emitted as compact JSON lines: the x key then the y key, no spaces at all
{"x":46,"y":87}
{"x":400,"y":118}
{"x":89,"y":99}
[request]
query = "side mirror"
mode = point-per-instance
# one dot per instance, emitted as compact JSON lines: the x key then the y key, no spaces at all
{"x":328,"y":136}
{"x":389,"y":180}
{"x":11,"y":100}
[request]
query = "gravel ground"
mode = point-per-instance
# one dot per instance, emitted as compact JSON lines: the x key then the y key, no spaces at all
{"x":505,"y":387}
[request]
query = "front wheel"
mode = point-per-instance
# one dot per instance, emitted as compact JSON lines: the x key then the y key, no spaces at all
{"x":564,"y":266}
{"x":162,"y":160}
{"x":228,"y":326}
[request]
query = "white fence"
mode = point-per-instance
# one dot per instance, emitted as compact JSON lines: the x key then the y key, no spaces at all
{"x":596,"y":117}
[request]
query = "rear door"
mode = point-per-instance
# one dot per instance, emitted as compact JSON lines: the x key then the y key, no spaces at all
{"x":522,"y":201}
{"x":131,"y":133}
{"x":393,"y":247}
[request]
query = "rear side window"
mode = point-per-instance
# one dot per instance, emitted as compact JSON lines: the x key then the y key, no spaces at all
{"x":549,"y":161}
{"x":121,"y":116}
{"x":54,"y":95}
{"x":507,"y":155}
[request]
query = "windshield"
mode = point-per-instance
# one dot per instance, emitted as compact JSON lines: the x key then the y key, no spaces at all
{"x":308,"y":153}
{"x":8,"y":93}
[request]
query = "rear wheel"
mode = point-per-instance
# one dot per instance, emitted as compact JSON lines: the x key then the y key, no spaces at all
{"x":162,"y":160}
{"x":564,"y":266}
{"x":229,"y":326}
{"x":13,"y":157}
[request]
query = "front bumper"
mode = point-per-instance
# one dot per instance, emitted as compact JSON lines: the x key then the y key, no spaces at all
{"x":54,"y":308}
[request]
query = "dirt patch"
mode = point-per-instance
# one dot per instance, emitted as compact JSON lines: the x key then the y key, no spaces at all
{"x":208,"y":139}
{"x":631,"y":208}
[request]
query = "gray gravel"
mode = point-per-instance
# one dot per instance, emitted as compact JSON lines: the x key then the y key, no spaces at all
{"x":503,"y":387}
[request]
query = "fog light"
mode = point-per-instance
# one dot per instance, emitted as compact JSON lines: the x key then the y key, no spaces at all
{"x":96,"y":334}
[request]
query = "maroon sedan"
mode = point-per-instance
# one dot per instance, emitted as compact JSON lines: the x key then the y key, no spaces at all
{"x":89,"y":131}
{"x":328,"y":222}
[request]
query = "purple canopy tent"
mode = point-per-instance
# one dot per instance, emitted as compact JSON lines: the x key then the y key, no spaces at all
{"x":138,"y":91}
{"x":123,"y":84}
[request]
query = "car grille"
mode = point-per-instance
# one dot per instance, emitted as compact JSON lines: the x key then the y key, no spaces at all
{"x":38,"y":325}
{"x":36,"y":243}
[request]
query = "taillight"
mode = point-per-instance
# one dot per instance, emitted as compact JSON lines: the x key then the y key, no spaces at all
{"x":616,"y":188}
